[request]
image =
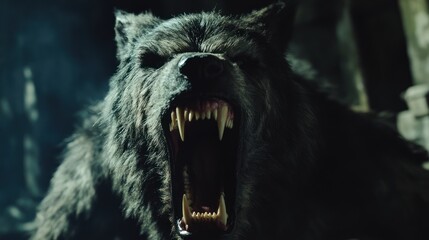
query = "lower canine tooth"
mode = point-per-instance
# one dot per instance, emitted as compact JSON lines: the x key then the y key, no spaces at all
{"x":185,"y":210}
{"x":221,"y":211}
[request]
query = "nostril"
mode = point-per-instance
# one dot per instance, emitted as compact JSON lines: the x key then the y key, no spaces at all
{"x":213,"y":69}
{"x":182,"y":63}
{"x":185,"y":68}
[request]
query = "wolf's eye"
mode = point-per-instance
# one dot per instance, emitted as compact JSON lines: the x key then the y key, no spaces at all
{"x":152,"y":60}
{"x":245,"y":61}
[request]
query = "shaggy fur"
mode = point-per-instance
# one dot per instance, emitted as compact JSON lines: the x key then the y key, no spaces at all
{"x":308,"y":168}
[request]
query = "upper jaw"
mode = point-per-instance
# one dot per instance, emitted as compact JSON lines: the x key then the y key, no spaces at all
{"x":203,"y":203}
{"x":209,"y":109}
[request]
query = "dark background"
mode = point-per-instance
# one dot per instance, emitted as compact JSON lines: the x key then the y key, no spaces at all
{"x":56,"y":57}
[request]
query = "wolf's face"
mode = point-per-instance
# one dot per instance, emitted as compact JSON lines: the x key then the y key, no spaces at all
{"x":201,"y":99}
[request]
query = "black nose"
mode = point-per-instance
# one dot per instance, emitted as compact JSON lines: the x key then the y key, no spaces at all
{"x":201,"y":66}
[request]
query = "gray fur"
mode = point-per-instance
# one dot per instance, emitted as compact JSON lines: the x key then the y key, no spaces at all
{"x":309,"y":168}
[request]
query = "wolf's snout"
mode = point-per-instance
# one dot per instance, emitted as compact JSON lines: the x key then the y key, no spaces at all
{"x":202,"y":67}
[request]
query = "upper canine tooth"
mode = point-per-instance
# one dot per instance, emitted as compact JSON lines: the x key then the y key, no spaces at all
{"x":221,"y":211}
{"x":185,"y":210}
{"x":181,"y":123}
{"x":221,"y":120}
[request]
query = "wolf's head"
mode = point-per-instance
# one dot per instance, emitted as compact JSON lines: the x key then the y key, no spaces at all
{"x":202,"y":121}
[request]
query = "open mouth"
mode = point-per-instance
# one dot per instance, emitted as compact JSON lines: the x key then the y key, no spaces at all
{"x":203,"y":147}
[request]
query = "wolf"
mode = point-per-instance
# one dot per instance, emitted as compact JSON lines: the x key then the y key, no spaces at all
{"x":207,"y":133}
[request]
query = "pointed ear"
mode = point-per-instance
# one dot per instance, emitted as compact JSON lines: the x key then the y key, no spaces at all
{"x":129,"y":27}
{"x":274,"y":22}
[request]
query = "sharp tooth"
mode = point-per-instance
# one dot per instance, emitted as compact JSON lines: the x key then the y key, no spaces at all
{"x":181,"y":123}
{"x":197,"y":115}
{"x":203,"y":115}
{"x":185,"y":115}
{"x":221,"y":120}
{"x":173,"y":121}
{"x":232,"y":123}
{"x":185,"y":210}
{"x":208,"y":114}
{"x":221,"y":211}
{"x":191,"y":115}
{"x":215,"y":113}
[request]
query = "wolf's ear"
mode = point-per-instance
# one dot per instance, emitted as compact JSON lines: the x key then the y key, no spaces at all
{"x":274,"y":22}
{"x":129,"y":27}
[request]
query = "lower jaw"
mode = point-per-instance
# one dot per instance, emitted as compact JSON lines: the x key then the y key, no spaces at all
{"x":208,"y":214}
{"x":207,"y":221}
{"x":204,"y":222}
